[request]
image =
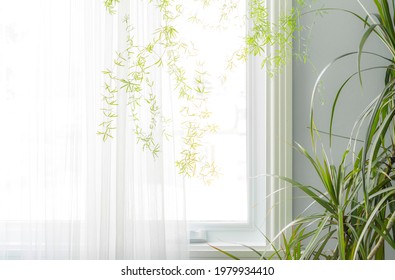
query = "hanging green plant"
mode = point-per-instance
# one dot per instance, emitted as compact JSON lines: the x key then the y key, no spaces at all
{"x":163,"y":51}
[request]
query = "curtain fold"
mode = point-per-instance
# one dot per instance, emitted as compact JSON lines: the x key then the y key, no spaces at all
{"x":64,"y":192}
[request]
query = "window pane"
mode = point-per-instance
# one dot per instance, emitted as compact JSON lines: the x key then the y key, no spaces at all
{"x":217,"y":32}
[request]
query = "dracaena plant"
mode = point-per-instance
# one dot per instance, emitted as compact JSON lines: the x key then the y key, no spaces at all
{"x":364,"y":197}
{"x":356,"y":198}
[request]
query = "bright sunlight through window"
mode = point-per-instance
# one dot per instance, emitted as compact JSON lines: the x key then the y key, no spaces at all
{"x":217,"y":33}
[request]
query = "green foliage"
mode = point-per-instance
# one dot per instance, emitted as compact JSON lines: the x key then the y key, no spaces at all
{"x":110,"y":5}
{"x":346,"y":227}
{"x":139,"y":87}
{"x":266,"y":33}
{"x":138,"y":62}
{"x":357,"y":226}
{"x":360,"y":202}
{"x":356,"y":197}
{"x":164,"y":51}
{"x":196,"y":123}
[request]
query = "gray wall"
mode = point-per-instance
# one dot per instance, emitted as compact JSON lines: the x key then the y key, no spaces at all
{"x":333,"y":34}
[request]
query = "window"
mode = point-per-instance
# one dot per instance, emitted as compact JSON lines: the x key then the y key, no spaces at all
{"x":254,"y":140}
{"x":226,"y":195}
{"x":68,"y":194}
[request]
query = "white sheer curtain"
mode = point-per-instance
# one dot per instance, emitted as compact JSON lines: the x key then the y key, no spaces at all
{"x":64,"y":193}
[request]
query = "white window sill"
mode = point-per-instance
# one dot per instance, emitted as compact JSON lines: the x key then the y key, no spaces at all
{"x":206,"y":252}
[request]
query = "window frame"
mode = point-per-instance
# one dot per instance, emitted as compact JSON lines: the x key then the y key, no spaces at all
{"x":276,"y":131}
